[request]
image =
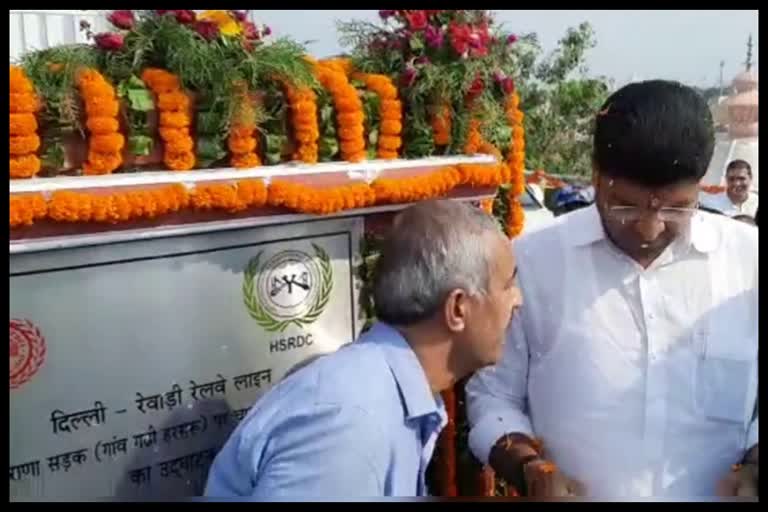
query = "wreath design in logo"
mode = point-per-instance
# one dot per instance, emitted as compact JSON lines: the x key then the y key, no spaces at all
{"x":291,"y":288}
{"x":27,"y":351}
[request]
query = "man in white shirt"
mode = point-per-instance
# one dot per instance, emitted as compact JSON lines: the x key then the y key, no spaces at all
{"x":631,"y":369}
{"x":738,"y":199}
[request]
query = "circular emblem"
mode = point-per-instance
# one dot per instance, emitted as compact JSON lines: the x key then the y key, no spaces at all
{"x":27,"y":351}
{"x":288,"y":284}
{"x":292,"y":287}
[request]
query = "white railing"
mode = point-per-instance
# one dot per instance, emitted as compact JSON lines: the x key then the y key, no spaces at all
{"x":34,"y":30}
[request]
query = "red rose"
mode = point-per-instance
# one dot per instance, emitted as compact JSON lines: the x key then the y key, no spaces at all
{"x":511,"y":39}
{"x":207,"y":29}
{"x":460,"y":37}
{"x":476,"y":88}
{"x":184,"y":16}
{"x":250,"y":31}
{"x":122,"y":19}
{"x":417,"y":20}
{"x":109,"y":41}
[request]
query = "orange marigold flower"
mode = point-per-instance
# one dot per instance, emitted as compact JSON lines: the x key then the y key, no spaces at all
{"x":245,"y":161}
{"x":22,"y":124}
{"x":391,"y":127}
{"x":175,"y":119}
{"x":112,"y":143}
{"x":242,"y":145}
{"x":102,"y":125}
{"x":23,"y":103}
{"x":182,"y":161}
{"x":102,"y":107}
{"x":24,"y":166}
{"x":23,"y":145}
{"x":173,"y":101}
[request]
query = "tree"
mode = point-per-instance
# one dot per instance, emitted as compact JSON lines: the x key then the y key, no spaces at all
{"x":560,"y":102}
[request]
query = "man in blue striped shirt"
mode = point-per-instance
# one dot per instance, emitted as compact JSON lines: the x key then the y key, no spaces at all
{"x":363,"y":422}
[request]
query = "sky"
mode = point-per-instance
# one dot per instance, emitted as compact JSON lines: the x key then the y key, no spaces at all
{"x":684,"y":45}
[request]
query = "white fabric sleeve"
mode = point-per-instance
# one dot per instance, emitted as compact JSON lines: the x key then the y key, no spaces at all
{"x":497,"y":396}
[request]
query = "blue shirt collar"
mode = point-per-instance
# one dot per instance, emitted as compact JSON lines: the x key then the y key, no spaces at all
{"x":415,"y":393}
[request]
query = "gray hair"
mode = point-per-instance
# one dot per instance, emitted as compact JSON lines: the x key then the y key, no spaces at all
{"x":434,"y":247}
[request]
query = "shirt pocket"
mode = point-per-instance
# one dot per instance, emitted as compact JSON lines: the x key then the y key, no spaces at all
{"x":725,"y":382}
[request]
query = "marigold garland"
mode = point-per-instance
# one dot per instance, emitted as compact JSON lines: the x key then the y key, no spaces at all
{"x":516,"y":161}
{"x":441,"y":125}
{"x":175,"y":119}
{"x":301,"y":198}
{"x":390,"y":113}
{"x":123,"y":206}
{"x":349,"y":110}
{"x":24,"y":141}
{"x":417,"y":188}
{"x":474,"y":137}
{"x":303,"y":104}
{"x":26,"y":208}
{"x":231,"y":197}
{"x":241,"y":141}
{"x":101,"y":105}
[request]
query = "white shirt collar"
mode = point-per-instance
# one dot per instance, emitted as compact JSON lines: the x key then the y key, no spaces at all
{"x":587,"y":228}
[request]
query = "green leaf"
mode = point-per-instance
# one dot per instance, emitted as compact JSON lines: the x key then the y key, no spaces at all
{"x":140,"y":145}
{"x":53,"y":156}
{"x":209,"y":150}
{"x":328,"y":147}
{"x":141,"y":100}
{"x":209,"y":122}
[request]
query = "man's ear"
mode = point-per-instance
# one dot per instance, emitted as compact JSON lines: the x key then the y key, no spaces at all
{"x":455,"y":310}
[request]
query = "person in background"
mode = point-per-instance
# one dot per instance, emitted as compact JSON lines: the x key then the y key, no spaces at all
{"x":363,"y":421}
{"x":631,"y":371}
{"x":738,"y":199}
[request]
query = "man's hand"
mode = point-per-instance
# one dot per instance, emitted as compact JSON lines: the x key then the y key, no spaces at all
{"x":544,"y":480}
{"x":516,"y":458}
{"x":741,"y":481}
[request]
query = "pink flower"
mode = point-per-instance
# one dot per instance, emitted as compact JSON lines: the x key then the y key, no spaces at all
{"x":207,"y":29}
{"x":250,"y":31}
{"x":434,"y":36}
{"x":240,"y":15}
{"x":386,"y":14}
{"x":499,"y":76}
{"x":511,"y":39}
{"x":122,"y":19}
{"x":417,"y":20}
{"x":109,"y":41}
{"x":409,"y":76}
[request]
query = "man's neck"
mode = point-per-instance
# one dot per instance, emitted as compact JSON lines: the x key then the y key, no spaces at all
{"x":433,"y":350}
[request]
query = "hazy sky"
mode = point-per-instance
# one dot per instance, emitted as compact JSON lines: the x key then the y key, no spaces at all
{"x":680,"y":45}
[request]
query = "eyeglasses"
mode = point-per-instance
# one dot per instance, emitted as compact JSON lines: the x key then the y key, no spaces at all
{"x":666,"y":214}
